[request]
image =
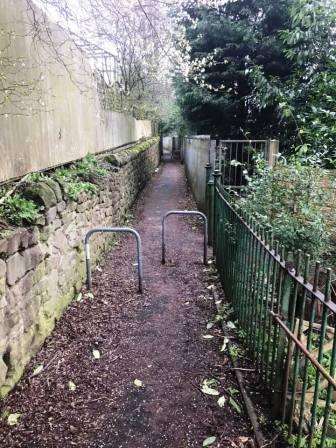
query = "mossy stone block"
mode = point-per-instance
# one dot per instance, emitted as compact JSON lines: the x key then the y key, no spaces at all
{"x":55,"y":186}
{"x":42,"y":194}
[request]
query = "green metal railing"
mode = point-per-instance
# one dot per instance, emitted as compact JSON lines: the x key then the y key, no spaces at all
{"x":284,"y":307}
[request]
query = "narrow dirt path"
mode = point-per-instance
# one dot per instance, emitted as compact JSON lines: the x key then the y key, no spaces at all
{"x":80,"y":401}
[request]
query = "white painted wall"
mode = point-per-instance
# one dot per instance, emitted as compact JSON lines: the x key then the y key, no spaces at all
{"x":196,"y":156}
{"x":70,"y":123}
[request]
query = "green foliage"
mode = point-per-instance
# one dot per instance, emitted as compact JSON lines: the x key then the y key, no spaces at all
{"x":173,"y":121}
{"x":19,"y":211}
{"x":217,"y":97}
{"x":89,"y":167}
{"x":272,"y":73}
{"x":36,"y":177}
{"x":305,"y":100}
{"x":289,"y":201}
{"x":75,"y":188}
{"x":80,"y":176}
{"x":235,"y":352}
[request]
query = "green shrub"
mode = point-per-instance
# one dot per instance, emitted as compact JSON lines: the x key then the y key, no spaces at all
{"x":77,"y":178}
{"x":289,"y":200}
{"x":36,"y":177}
{"x":89,"y":167}
{"x":19,"y":211}
{"x":62,"y":172}
{"x":74,"y":188}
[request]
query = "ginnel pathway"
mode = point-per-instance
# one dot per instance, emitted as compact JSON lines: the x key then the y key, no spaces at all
{"x":78,"y":400}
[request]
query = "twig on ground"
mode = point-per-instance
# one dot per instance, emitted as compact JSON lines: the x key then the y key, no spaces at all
{"x":247,"y":400}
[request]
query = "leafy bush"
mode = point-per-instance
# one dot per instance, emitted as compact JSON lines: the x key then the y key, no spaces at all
{"x":78,"y":178}
{"x":89,"y":167}
{"x":75,"y":188}
{"x":289,"y":200}
{"x":36,"y":177}
{"x":18,"y":210}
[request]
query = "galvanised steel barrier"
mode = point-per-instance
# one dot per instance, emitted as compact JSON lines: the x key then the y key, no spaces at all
{"x":185,"y":213}
{"x":285,"y":310}
{"x":113,"y":230}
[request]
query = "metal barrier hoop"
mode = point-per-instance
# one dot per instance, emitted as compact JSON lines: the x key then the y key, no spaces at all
{"x":186,"y":212}
{"x":113,"y":230}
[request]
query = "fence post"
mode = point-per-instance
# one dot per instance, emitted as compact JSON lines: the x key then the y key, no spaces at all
{"x":183,"y":144}
{"x":161,"y":145}
{"x":208,"y":200}
{"x":217,"y":176}
{"x":273,"y":151}
{"x":211,"y":190}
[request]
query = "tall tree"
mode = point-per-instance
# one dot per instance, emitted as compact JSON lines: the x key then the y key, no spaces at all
{"x":306,"y":101}
{"x":220,"y":41}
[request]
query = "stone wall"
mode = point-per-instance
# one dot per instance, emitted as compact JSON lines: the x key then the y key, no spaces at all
{"x":43,"y":268}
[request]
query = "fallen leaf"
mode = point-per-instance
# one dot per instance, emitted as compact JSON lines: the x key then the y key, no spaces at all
{"x":230,"y":325}
{"x":243,"y":439}
{"x":235,"y":405}
{"x":209,"y":390}
{"x":38,"y":370}
{"x":96,"y":354}
{"x":225,"y":342}
{"x":209,"y":441}
{"x":90,"y":295}
{"x":221,"y":401}
{"x":209,"y":325}
{"x":72,"y":386}
{"x":207,"y":336}
{"x":79,"y":297}
{"x":138,"y":383}
{"x":13,"y":419}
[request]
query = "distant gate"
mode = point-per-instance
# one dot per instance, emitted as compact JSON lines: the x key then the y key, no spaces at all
{"x":236,"y":159}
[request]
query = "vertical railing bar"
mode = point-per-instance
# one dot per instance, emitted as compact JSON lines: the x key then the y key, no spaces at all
{"x":230,"y":160}
{"x":243,"y":251}
{"x":270,"y":321}
{"x":278,"y":309}
{"x":236,"y":165}
{"x":256,"y":306}
{"x":292,"y":346}
{"x":246,"y":272}
{"x":267,"y":316}
{"x":299,"y":336}
{"x":241,"y":167}
{"x":320,"y":358}
{"x":261,"y":303}
{"x":309,"y":345}
{"x":249,"y":276}
{"x":330,"y":389}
